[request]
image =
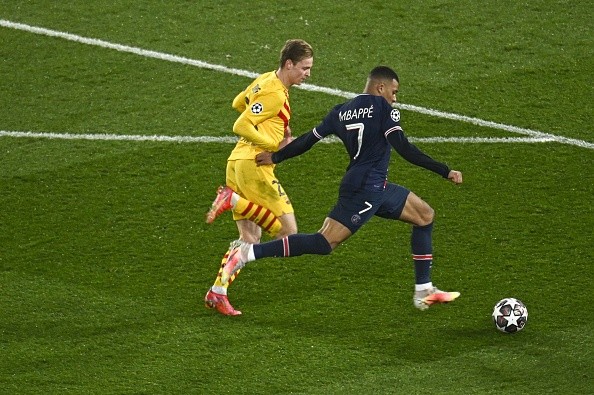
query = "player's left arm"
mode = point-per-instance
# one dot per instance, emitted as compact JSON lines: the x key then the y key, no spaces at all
{"x":414,"y":155}
{"x":298,"y":146}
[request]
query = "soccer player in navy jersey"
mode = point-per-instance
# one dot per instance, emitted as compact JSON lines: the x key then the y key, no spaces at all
{"x":369,"y":127}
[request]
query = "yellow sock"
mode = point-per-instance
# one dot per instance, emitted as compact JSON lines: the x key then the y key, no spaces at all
{"x":259,"y":215}
{"x":218,"y":282}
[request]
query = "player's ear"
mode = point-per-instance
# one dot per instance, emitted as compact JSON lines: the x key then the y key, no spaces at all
{"x":379,"y":87}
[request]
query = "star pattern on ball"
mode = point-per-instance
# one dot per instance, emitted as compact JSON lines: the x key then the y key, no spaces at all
{"x":513,"y":318}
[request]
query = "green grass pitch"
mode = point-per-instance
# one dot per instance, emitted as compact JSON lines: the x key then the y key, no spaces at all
{"x":105,"y":256}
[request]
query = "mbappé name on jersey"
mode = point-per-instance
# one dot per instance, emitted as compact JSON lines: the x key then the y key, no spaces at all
{"x":369,"y":127}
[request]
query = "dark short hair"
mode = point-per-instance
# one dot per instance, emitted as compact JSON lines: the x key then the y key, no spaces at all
{"x":295,"y":50}
{"x":383,"y":73}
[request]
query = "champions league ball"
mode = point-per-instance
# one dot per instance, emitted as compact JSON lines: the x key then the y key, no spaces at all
{"x":510,"y":315}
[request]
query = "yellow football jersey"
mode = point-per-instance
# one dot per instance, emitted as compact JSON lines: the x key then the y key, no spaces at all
{"x":265,"y":113}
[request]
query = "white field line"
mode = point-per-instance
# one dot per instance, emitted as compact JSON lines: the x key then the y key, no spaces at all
{"x":211,"y":139}
{"x":336,"y":92}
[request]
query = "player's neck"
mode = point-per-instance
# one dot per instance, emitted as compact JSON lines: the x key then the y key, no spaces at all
{"x":283,"y":77}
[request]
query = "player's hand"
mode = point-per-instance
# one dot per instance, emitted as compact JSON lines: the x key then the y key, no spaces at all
{"x":455,"y":176}
{"x":287,"y":138}
{"x":264,"y":158}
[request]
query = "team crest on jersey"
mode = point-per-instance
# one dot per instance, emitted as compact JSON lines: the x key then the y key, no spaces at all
{"x":395,"y":115}
{"x":257,"y":108}
{"x":256,"y":88}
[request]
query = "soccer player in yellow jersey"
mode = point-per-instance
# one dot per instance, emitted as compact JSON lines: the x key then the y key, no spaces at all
{"x":253,"y":193}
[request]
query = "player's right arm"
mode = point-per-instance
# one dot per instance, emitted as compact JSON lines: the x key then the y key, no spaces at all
{"x":414,"y":155}
{"x":240,"y":101}
{"x":245,"y":128}
{"x":262,"y":108}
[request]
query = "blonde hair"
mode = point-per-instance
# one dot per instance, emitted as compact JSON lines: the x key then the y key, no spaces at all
{"x":295,"y":50}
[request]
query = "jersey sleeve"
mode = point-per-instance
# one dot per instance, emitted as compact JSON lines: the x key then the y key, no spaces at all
{"x":239,"y":103}
{"x":297,"y":147}
{"x":304,"y":142}
{"x":412,"y":154}
{"x":246,"y":125}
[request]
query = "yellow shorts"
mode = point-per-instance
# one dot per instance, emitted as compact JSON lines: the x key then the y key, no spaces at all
{"x":259,"y":185}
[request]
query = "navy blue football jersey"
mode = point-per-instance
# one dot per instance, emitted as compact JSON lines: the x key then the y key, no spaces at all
{"x":369,"y":127}
{"x":363,"y":124}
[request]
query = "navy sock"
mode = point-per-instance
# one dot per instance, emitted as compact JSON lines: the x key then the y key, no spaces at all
{"x":422,"y":252}
{"x":293,"y":245}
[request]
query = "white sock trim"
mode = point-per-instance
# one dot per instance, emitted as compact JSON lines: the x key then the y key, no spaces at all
{"x":423,"y":287}
{"x":251,"y":256}
{"x":234,"y":199}
{"x":219,"y":290}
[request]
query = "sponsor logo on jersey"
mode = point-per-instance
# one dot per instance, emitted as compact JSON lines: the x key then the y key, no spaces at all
{"x":395,"y":115}
{"x":257,"y":108}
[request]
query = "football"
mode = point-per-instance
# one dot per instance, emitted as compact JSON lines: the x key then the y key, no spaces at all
{"x":510,"y":315}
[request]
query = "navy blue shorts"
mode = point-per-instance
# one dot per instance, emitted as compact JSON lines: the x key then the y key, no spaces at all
{"x":355,"y":209}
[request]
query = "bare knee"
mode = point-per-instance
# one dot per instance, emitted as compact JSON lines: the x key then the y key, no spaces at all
{"x":426,"y":215}
{"x":334,"y":232}
{"x":416,"y":211}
